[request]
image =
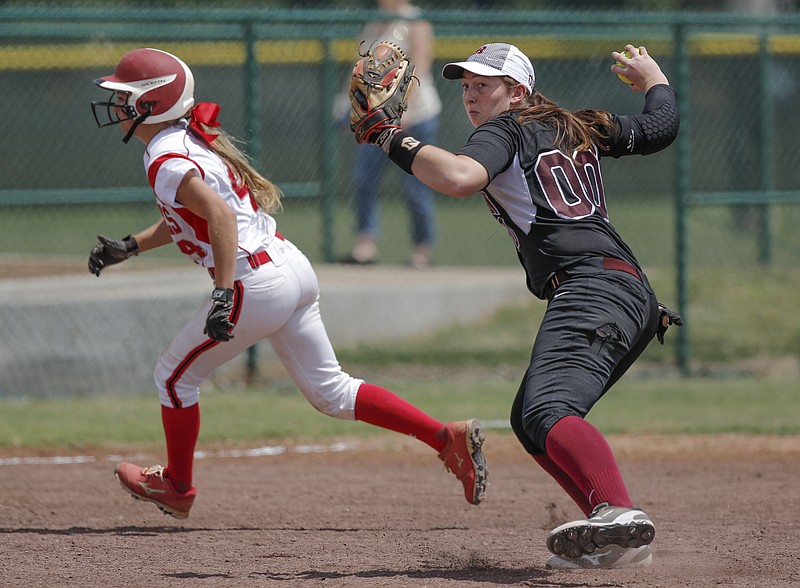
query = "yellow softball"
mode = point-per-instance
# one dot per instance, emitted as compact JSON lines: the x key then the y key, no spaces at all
{"x":627,"y":54}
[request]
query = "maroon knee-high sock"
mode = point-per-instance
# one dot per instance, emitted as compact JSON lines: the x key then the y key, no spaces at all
{"x":181,"y":428}
{"x":565,"y":482}
{"x":382,"y":408}
{"x":584,"y":455}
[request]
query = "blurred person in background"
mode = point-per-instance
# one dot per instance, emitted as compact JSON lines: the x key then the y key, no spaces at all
{"x":537,"y":166}
{"x":216,"y":208}
{"x":415,"y":37}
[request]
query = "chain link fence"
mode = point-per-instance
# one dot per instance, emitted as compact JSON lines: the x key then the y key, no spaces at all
{"x":723,"y":197}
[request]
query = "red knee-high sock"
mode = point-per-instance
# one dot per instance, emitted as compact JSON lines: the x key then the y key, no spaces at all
{"x":181,"y":428}
{"x":382,"y":408}
{"x":584,"y":455}
{"x":565,"y":482}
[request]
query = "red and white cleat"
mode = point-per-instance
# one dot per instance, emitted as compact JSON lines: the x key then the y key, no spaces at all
{"x":150,"y":485}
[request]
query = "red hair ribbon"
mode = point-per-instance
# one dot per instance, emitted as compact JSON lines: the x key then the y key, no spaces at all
{"x":206,"y":113}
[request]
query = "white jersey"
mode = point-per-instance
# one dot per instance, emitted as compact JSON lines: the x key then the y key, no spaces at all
{"x":168,"y":157}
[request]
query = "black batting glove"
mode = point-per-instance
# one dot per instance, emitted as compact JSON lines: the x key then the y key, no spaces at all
{"x":218,"y":323}
{"x":666,"y":317}
{"x":111,"y":251}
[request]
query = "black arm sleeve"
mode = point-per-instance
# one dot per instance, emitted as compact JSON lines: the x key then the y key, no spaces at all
{"x":649,"y":132}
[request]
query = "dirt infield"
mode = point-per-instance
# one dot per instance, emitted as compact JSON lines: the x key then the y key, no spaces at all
{"x":384,"y":513}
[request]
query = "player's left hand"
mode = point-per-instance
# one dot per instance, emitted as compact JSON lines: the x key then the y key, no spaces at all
{"x":379,"y":89}
{"x":218,"y":323}
{"x":666,"y":317}
{"x":110,"y":251}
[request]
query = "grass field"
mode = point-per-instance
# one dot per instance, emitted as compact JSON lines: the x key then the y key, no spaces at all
{"x":460,"y":372}
{"x":638,"y":404}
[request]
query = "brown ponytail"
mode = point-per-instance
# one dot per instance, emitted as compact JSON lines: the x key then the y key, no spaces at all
{"x":581,"y":130}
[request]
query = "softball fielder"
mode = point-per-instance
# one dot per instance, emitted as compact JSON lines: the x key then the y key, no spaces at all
{"x":538,"y":168}
{"x":216,"y":208}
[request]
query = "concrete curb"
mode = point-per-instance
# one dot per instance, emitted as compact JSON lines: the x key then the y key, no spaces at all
{"x":76,"y":334}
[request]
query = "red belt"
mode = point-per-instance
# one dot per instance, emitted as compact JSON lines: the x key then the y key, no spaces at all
{"x":609,"y":263}
{"x":259,"y":259}
{"x":256,"y":260}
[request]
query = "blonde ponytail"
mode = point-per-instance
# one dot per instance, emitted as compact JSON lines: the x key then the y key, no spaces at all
{"x":266,"y":194}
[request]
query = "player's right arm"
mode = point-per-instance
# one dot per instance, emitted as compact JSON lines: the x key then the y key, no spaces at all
{"x":154,"y":236}
{"x":649,"y":132}
{"x":657,"y":126}
{"x":113,"y":251}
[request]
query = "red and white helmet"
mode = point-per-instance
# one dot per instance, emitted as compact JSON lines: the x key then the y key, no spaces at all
{"x":156,"y":87}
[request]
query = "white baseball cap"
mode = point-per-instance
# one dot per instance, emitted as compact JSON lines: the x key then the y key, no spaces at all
{"x":495,"y":59}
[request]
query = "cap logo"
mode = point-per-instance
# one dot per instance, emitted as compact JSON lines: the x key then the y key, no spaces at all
{"x":495,"y":59}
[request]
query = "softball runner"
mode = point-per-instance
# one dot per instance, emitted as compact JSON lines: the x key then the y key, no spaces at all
{"x":216,"y":209}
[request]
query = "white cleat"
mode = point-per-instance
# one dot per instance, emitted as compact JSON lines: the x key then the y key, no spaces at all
{"x":607,"y":558}
{"x":628,"y":528}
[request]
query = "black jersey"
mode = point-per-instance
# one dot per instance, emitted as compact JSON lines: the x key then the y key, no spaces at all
{"x":554,"y":205}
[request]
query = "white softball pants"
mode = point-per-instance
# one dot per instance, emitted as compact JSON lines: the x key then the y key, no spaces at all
{"x":279,"y":302}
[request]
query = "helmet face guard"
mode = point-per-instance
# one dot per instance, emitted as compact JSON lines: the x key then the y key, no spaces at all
{"x":113,"y":112}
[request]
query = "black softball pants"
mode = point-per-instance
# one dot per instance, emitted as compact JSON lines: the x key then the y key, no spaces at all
{"x":595,"y":327}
